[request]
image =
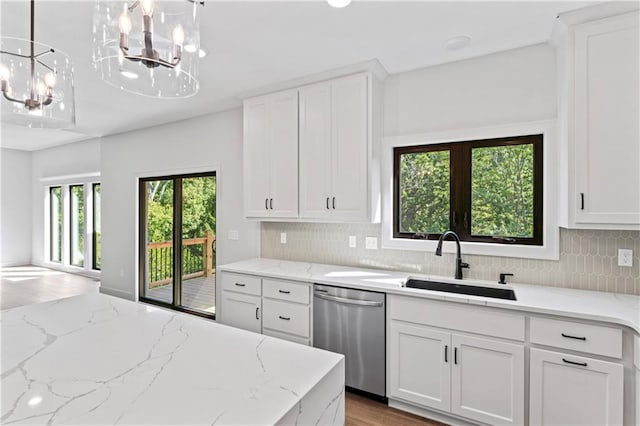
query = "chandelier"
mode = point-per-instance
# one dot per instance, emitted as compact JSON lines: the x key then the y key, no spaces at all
{"x":37,"y":82}
{"x":148,"y":47}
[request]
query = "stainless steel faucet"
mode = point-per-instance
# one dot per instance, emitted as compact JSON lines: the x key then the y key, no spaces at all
{"x":459,"y":263}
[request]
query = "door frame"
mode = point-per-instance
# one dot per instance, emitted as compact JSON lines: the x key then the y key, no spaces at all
{"x":140,"y":224}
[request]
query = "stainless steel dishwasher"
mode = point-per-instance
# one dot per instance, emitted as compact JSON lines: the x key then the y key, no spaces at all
{"x":352,"y":322}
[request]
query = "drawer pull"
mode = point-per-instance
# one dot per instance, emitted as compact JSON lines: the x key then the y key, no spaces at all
{"x":581,"y":364}
{"x":284,"y":318}
{"x":240,"y":285}
{"x":455,"y":355}
{"x":446,"y":353}
{"x":568,"y":336}
{"x":284,"y":291}
{"x":257,"y":310}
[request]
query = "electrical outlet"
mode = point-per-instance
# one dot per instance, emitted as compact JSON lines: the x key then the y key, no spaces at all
{"x":371,"y":243}
{"x":283,"y":238}
{"x":233,"y":235}
{"x":625,"y":257}
{"x":352,"y":241}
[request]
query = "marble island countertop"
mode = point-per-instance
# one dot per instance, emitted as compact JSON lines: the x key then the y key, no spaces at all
{"x":613,"y":308}
{"x":97,"y":359}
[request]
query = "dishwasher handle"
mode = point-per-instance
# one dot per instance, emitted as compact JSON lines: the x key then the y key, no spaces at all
{"x":348,"y":301}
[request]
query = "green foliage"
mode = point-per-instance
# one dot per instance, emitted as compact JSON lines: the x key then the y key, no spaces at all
{"x":77,"y":225}
{"x":502,"y":191}
{"x":501,"y":188}
{"x":424,"y":198}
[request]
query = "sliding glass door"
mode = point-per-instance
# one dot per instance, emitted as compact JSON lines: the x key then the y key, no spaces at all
{"x":177,"y":242}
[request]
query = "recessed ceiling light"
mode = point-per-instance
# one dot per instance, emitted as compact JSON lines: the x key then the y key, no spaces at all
{"x":202,"y":53}
{"x":457,"y":43}
{"x":128,"y":74}
{"x":339,"y":3}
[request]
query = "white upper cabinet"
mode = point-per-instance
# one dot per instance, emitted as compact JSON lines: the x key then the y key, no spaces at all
{"x":271,"y":155}
{"x":334,"y":149}
{"x":600,"y":86}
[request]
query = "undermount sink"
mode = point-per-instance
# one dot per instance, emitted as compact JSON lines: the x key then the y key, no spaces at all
{"x":474,"y":290}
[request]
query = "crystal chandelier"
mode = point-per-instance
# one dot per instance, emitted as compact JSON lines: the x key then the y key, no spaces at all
{"x":37,"y":82}
{"x":148,"y":47}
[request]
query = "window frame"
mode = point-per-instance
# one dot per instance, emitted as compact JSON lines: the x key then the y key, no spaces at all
{"x":51,"y":225}
{"x":81,"y":235}
{"x":460,"y":193}
{"x":94,"y":240}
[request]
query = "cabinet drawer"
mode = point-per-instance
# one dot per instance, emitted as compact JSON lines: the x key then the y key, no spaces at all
{"x":593,"y":339}
{"x":286,"y":290}
{"x":286,"y":317}
{"x":241,"y":283}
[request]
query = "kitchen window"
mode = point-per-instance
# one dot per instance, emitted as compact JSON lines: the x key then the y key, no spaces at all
{"x":488,"y":190}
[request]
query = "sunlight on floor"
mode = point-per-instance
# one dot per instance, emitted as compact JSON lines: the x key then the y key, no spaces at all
{"x":22,"y":273}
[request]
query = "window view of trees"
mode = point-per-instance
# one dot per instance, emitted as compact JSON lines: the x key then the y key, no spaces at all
{"x":55,"y":234}
{"x":77,"y":225}
{"x":424,"y":186}
{"x":97,"y":234}
{"x":496,"y":184}
{"x":502,"y":191}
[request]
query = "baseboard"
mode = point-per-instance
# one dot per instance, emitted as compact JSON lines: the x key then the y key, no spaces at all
{"x":429,"y":414}
{"x":117,"y":293}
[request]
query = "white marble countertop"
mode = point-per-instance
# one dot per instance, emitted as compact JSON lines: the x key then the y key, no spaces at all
{"x":97,"y":359}
{"x":592,"y":305}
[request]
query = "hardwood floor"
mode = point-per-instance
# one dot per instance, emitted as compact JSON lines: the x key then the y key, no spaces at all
{"x":361,"y":411}
{"x":24,"y":285}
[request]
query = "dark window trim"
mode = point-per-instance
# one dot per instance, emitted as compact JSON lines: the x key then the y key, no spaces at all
{"x":177,"y":258}
{"x":94,"y":238}
{"x":460,"y":188}
{"x":51,"y":222}
{"x":70,"y":248}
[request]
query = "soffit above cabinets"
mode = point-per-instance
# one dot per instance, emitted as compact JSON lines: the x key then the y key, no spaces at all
{"x":251,"y":45}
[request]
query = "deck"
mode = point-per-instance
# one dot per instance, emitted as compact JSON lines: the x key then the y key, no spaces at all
{"x":197,"y":293}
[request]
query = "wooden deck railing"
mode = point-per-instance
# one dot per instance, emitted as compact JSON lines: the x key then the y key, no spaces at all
{"x":198,"y":257}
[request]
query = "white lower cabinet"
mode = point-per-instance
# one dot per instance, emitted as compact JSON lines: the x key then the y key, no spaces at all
{"x":242,"y":311}
{"x":420,"y":365}
{"x":478,"y":378}
{"x":277,"y":308}
{"x":574,"y":390}
{"x":487,"y":380}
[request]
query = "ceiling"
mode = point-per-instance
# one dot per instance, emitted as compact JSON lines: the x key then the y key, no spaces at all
{"x":257,"y":44}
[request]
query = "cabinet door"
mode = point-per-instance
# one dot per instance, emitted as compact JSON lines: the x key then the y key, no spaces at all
{"x":607,"y":129}
{"x":419,"y":364}
{"x":349,"y":147}
{"x":256,"y":158}
{"x":242,"y":311}
{"x":283,"y":154}
{"x":571,"y":390}
{"x":487,"y":380}
{"x":315,"y":151}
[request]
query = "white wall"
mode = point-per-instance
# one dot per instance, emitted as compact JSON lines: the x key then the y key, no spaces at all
{"x":66,"y":164}
{"x":15,"y":227}
{"x":204,"y":143}
{"x":509,"y":87}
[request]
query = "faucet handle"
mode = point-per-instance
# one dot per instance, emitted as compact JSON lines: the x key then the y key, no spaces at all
{"x":503,"y":277}
{"x":465,"y":265}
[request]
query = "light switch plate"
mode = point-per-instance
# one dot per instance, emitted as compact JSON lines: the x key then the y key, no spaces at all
{"x":371,"y":243}
{"x":233,"y":235}
{"x":352,"y":241}
{"x":625,"y":257}
{"x":283,"y":238}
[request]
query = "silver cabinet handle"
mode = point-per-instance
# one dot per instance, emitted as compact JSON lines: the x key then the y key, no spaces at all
{"x":348,"y":301}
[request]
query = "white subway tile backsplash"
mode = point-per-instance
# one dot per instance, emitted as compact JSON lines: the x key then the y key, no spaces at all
{"x":588,"y":259}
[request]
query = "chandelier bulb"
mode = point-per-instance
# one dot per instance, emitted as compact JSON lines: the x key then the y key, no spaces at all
{"x":50,"y":79}
{"x":4,"y":73}
{"x":125,"y":23}
{"x":178,"y":35}
{"x":41,"y":88}
{"x":147,"y":7}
